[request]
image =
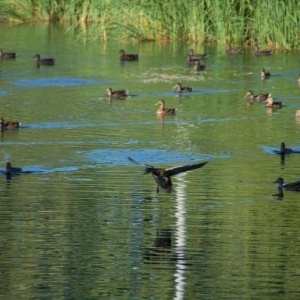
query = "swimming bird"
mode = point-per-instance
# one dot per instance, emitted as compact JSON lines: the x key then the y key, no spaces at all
{"x":162,"y":176}
{"x":294,"y":186}
{"x":180,"y":89}
{"x":192,"y":55}
{"x":284,"y":150}
{"x":43,"y":61}
{"x":119,"y":94}
{"x":261,"y":52}
{"x":271,"y":103}
{"x":258,"y":97}
{"x":128,"y":57}
{"x":230,"y":50}
{"x":264,"y":74}
{"x":9,"y":171}
{"x":162,"y":111}
{"x":8,"y":125}
{"x":198,"y":66}
{"x":190,"y":60}
{"x":7,"y":54}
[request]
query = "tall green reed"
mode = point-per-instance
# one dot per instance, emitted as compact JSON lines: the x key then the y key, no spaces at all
{"x":272,"y":22}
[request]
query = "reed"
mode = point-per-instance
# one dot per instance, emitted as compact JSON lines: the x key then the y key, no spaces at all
{"x":275,"y":23}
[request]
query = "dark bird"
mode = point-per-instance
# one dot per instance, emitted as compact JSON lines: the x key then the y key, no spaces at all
{"x":230,"y":50}
{"x":192,"y":55}
{"x":8,"y":125}
{"x":271,"y":103}
{"x":119,"y":94}
{"x":44,"y":61}
{"x":180,"y":89}
{"x":258,"y":97}
{"x":162,"y":177}
{"x":284,"y":150}
{"x":7,"y":54}
{"x":162,"y":111}
{"x":261,"y":52}
{"x":294,"y":186}
{"x":10,"y":171}
{"x":128,"y":57}
{"x":198,"y":66}
{"x":264,"y":74}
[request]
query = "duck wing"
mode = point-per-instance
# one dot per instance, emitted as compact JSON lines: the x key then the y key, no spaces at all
{"x":137,"y":163}
{"x":177,"y":170}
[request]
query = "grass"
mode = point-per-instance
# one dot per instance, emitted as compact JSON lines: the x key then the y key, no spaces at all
{"x":275,"y":23}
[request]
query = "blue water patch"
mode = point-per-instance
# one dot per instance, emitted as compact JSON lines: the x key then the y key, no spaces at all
{"x":55,"y":81}
{"x":3,"y":93}
{"x":111,"y":157}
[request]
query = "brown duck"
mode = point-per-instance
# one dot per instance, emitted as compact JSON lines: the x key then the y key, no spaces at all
{"x":271,"y":103}
{"x":258,"y":97}
{"x":119,"y":94}
{"x":128,"y":57}
{"x":162,"y":111}
{"x":261,"y":52}
{"x":44,"y":61}
{"x":162,"y":177}
{"x":8,"y":125}
{"x":230,"y":50}
{"x":7,"y":54}
{"x":180,"y":89}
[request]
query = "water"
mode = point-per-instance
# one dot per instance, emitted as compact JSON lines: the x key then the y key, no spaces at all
{"x":83,"y":223}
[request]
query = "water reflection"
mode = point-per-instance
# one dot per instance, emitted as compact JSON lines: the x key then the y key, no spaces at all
{"x":180,"y":242}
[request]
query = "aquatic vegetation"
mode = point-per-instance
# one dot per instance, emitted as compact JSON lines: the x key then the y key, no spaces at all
{"x":267,"y":22}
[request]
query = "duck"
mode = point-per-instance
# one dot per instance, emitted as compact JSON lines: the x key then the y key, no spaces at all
{"x":119,"y":94}
{"x":284,"y":150}
{"x":9,"y":171}
{"x":192,"y":55}
{"x":230,"y":50}
{"x":294,"y":186}
{"x":162,"y":111}
{"x":180,"y":89}
{"x":128,"y":57}
{"x":264,"y":73}
{"x":261,"y":52}
{"x":198,"y":66}
{"x":191,"y":60}
{"x":44,"y":61}
{"x":163,"y":176}
{"x":258,"y":97}
{"x":8,"y":125}
{"x":7,"y":54}
{"x":271,"y":103}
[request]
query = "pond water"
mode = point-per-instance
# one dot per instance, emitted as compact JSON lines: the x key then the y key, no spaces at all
{"x":82,"y":222}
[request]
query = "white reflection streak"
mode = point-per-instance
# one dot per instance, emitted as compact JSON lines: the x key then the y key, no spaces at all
{"x":180,"y":237}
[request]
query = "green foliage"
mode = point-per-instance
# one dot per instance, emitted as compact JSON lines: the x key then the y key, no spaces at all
{"x":272,"y":22}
